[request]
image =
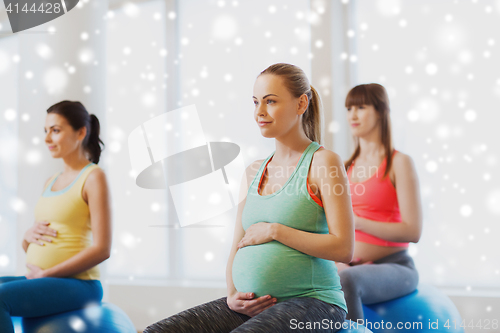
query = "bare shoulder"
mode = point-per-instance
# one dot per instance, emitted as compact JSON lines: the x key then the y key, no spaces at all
{"x":95,"y":184}
{"x":326,"y":167}
{"x":325,"y":157}
{"x":402,"y":162}
{"x":95,"y":177}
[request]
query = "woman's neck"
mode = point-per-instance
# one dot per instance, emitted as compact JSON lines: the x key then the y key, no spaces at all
{"x":287,"y":151}
{"x":75,"y":162}
{"x":371,"y":146}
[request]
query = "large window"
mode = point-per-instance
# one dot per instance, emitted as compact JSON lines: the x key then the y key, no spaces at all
{"x":177,"y":57}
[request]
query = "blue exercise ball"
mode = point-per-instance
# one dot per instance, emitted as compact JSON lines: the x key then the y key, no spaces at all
{"x":102,"y":318}
{"x":425,"y":310}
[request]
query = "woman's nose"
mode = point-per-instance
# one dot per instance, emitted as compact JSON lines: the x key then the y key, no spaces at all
{"x":260,"y":110}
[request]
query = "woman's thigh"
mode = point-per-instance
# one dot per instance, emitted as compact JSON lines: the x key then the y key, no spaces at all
{"x":376,"y":283}
{"x":5,"y":279}
{"x":301,"y":314}
{"x":45,"y":296}
{"x":211,"y":317}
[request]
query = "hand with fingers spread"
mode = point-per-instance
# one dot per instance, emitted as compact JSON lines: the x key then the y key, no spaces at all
{"x":246,"y":304}
{"x":39,"y":232}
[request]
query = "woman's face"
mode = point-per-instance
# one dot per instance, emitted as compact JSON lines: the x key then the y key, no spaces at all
{"x":275,"y":105}
{"x":60,"y":137}
{"x":363,"y":119}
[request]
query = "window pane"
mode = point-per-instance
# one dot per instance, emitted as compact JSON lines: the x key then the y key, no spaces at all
{"x":223,"y":47}
{"x":136,"y":93}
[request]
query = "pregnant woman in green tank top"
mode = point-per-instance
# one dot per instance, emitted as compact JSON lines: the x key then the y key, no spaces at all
{"x":294,"y":222}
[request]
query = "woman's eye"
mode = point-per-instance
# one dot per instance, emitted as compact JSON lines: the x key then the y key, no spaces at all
{"x":270,"y":100}
{"x":255,"y":102}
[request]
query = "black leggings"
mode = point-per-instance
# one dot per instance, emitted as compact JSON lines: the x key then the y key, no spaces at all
{"x":286,"y":316}
{"x":390,"y":277}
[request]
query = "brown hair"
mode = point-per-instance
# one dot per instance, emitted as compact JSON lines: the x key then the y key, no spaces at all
{"x":376,"y":95}
{"x":78,"y":117}
{"x":297,"y":84}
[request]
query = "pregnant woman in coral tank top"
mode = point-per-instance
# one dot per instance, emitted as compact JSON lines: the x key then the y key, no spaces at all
{"x":294,"y":222}
{"x":61,"y":258}
{"x":386,"y":204}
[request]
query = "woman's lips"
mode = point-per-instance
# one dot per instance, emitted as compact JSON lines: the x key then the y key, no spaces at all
{"x":263,"y":123}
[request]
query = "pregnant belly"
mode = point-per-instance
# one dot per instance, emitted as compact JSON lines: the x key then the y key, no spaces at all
{"x":277,"y":270}
{"x":53,"y":253}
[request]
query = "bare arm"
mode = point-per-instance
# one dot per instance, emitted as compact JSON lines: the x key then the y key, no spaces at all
{"x":96,"y":190}
{"x":338,"y":244}
{"x":408,"y":193}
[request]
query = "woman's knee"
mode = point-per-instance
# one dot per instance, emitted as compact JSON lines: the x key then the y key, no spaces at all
{"x":411,"y":280}
{"x":348,"y":281}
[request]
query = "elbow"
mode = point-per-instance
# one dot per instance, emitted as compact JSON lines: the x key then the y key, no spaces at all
{"x":106,"y":254}
{"x":103,"y":253}
{"x":348,"y":258}
{"x":349,"y":255}
{"x":346,"y":255}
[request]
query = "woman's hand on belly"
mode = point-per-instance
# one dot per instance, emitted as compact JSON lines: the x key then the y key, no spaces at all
{"x":35,"y":272}
{"x":38,"y":232}
{"x":245,"y":304}
{"x":258,"y":233}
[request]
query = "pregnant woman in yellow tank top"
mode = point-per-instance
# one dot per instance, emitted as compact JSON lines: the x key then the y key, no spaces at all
{"x":293,"y":222}
{"x":61,"y":257}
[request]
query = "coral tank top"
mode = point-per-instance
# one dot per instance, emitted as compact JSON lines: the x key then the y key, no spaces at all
{"x":375,"y":199}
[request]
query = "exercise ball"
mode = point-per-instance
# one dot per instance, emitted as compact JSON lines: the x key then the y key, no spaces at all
{"x":427,"y":309}
{"x":101,"y":318}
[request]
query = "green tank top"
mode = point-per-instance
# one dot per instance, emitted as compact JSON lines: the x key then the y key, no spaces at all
{"x":273,"y":268}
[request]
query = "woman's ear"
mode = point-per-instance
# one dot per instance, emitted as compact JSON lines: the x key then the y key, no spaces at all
{"x":303,"y":104}
{"x":82,"y":132}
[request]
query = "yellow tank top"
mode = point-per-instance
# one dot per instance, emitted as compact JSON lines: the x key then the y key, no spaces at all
{"x":69,"y":214}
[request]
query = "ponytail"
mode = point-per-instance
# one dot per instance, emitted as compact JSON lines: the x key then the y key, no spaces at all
{"x":312,"y":117}
{"x":93,"y":143}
